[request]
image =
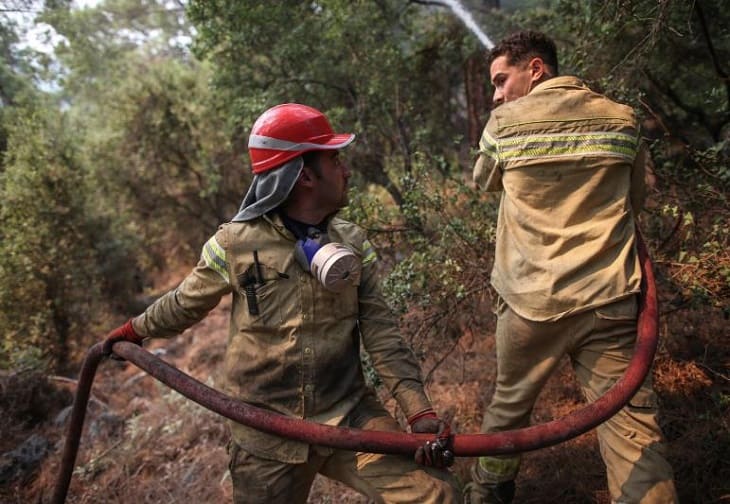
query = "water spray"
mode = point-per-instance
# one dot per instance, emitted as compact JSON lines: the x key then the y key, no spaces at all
{"x":468,"y":20}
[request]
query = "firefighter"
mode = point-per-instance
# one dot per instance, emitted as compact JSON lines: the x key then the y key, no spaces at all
{"x":570,"y":167}
{"x":305,"y":296}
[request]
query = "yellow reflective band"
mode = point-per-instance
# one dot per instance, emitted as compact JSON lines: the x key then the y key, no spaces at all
{"x":368,"y":253}
{"x":488,"y":146}
{"x":215,"y":258}
{"x":604,"y":120}
{"x":570,"y":137}
{"x":602,"y":150}
{"x":564,"y":145}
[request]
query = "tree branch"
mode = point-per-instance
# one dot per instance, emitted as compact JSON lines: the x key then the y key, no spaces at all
{"x":697,"y":112}
{"x":711,"y":47}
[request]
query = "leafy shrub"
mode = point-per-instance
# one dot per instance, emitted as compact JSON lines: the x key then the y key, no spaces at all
{"x":438,"y":249}
{"x":51,"y":268}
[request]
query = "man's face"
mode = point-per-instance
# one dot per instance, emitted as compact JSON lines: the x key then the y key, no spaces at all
{"x":332,"y":181}
{"x":512,"y":81}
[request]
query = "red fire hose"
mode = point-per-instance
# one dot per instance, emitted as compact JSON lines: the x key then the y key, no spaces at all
{"x":463,"y":445}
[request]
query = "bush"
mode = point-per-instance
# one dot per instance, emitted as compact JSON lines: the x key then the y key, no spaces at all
{"x":438,"y":249}
{"x":51,"y":269}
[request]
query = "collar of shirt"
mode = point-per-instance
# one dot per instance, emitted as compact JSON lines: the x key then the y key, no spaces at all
{"x":560,"y":81}
{"x":301,"y":229}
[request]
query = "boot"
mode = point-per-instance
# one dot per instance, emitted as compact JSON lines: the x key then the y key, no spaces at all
{"x":478,"y":491}
{"x":491,"y":493}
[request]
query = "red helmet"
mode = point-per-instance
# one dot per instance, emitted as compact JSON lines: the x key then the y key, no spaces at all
{"x":286,"y":131}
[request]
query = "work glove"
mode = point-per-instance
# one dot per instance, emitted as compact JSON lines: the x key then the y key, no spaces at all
{"x":122,"y":333}
{"x":434,"y":453}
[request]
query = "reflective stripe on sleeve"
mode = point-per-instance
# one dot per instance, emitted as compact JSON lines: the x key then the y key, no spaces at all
{"x":488,"y":146}
{"x":215,"y":258}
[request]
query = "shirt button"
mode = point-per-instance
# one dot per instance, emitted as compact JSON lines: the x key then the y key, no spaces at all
{"x":304,"y":316}
{"x":308,"y":388}
{"x":307,"y":350}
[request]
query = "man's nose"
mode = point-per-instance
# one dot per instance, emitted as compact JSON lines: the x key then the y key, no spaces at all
{"x":498,"y":98}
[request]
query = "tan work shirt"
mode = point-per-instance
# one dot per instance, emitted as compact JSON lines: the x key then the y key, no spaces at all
{"x":299,"y":355}
{"x":571,"y":172}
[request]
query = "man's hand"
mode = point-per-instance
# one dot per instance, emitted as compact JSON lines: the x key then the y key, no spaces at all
{"x":122,"y":333}
{"x":434,"y":453}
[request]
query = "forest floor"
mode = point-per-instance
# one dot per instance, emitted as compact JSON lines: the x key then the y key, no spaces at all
{"x":143,"y":443}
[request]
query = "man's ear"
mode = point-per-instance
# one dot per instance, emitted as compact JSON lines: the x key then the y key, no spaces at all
{"x":306,"y":176}
{"x":537,"y":69}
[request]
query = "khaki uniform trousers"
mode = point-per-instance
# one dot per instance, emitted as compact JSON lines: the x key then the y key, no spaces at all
{"x":600,"y":344}
{"x":382,"y":478}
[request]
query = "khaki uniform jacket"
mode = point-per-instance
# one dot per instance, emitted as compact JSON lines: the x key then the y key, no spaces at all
{"x":299,"y":356}
{"x":571,"y":172}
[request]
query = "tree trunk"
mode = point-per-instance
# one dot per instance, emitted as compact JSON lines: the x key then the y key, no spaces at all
{"x":478,"y":99}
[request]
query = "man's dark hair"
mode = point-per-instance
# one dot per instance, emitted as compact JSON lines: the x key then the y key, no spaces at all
{"x":525,"y":45}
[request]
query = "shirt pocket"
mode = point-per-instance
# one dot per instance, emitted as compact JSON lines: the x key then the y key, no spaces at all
{"x":267,"y":293}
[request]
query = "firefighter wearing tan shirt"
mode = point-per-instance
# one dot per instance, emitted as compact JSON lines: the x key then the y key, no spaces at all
{"x":305,"y":295}
{"x":570,"y":168}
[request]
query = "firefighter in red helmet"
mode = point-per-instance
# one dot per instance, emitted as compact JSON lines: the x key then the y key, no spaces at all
{"x":305,"y":297}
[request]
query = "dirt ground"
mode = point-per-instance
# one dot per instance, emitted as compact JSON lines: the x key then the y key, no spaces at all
{"x":144,"y":443}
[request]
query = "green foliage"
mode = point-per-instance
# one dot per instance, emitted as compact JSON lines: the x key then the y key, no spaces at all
{"x":359,"y":69}
{"x":442,"y":246}
{"x":15,"y":73}
{"x":152,"y":140}
{"x":97,"y":41}
{"x":48,"y":282}
{"x":147,"y":165}
{"x":163,"y":157}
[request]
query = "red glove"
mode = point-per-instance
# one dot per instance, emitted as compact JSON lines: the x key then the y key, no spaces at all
{"x":433,"y":453}
{"x":122,"y":333}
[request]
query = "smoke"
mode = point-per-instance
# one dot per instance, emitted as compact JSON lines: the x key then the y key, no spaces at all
{"x":468,"y":20}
